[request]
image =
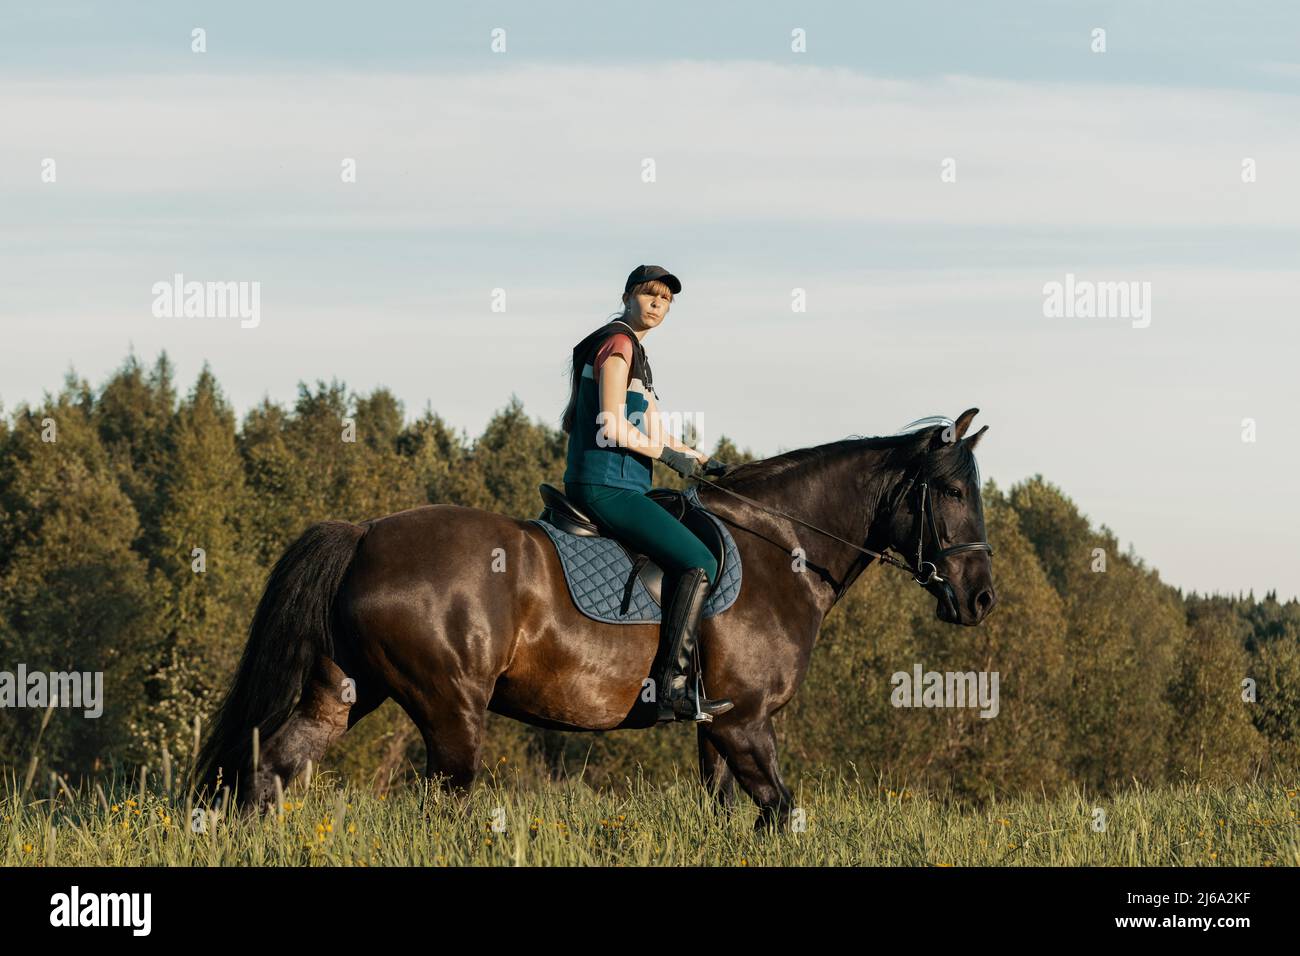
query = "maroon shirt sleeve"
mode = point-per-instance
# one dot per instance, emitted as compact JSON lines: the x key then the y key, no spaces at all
{"x":620,"y":343}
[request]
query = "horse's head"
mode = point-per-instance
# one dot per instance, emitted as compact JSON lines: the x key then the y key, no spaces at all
{"x":937,"y":519}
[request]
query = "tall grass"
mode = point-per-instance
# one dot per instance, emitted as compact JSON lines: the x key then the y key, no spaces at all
{"x":148,"y":819}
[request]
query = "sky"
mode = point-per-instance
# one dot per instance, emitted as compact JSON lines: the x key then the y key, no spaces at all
{"x":919,"y":172}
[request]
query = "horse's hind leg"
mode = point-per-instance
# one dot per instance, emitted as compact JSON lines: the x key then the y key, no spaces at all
{"x":320,"y":718}
{"x":452,"y":728}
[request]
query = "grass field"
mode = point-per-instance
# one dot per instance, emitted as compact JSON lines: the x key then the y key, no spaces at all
{"x":504,"y":823}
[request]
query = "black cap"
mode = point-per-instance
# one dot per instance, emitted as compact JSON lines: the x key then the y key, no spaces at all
{"x":646,"y":273}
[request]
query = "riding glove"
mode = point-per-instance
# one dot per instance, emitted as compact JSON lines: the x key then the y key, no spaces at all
{"x":688,"y":466}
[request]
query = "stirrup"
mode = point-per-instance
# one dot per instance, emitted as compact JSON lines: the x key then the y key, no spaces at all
{"x":690,"y":709}
{"x":669,"y":710}
{"x":719,"y":705}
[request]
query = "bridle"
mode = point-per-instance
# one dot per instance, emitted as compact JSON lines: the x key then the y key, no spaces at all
{"x":924,"y":523}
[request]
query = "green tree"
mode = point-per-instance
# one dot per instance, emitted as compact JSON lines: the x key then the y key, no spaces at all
{"x":209,"y":576}
{"x":444,"y":467}
{"x":1214,"y":738}
{"x":133,"y":414}
{"x":1276,"y":669}
{"x":516,"y":455}
{"x":1124,"y":629}
{"x":76,"y":596}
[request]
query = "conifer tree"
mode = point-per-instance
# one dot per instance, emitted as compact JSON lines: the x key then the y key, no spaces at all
{"x":208,"y":570}
{"x":77,"y":597}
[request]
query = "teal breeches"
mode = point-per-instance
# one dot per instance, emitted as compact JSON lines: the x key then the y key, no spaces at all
{"x":644,"y":526}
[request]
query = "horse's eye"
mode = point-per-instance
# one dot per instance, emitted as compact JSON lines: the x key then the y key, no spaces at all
{"x":953,"y":493}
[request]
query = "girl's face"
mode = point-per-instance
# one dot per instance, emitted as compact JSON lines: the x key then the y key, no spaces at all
{"x":648,"y":309}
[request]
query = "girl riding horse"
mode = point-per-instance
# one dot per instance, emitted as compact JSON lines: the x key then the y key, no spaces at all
{"x":614,"y":433}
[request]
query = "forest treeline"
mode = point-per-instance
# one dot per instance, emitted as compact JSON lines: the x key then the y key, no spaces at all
{"x":1106,"y":676}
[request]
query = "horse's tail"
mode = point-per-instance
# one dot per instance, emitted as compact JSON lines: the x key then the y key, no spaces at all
{"x":292,"y":627}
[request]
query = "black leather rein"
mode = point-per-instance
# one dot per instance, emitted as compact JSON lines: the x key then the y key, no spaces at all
{"x":924,"y":522}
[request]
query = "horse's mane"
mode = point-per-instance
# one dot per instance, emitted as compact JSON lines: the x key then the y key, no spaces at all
{"x":954,"y":463}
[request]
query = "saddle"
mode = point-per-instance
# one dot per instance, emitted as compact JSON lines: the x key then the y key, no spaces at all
{"x":603,"y":571}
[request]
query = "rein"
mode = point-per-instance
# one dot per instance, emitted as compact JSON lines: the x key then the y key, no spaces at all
{"x":924,"y":520}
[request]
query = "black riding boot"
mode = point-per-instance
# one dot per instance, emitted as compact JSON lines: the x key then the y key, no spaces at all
{"x":676,"y":695}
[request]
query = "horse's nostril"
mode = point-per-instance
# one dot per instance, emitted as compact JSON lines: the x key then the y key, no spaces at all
{"x":984,"y":600}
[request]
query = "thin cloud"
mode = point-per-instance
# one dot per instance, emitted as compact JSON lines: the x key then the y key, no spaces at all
{"x":534,"y":145}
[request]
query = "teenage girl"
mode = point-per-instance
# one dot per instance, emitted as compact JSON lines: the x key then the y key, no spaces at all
{"x":614,"y":433}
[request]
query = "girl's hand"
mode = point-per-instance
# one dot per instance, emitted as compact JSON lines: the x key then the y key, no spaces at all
{"x":680,"y":462}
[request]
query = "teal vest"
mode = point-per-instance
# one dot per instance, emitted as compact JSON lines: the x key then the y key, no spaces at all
{"x":612,"y":465}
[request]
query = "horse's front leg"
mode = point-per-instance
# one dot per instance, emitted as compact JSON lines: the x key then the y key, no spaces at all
{"x":749,"y":748}
{"x":714,"y":772}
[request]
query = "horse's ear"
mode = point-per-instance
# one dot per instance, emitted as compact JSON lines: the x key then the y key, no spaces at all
{"x":963,"y":422}
{"x":974,"y":439}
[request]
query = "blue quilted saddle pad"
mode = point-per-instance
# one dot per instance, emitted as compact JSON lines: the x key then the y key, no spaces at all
{"x":597,"y":570}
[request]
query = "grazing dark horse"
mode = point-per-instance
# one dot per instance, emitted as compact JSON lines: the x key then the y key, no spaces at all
{"x":455,"y":611}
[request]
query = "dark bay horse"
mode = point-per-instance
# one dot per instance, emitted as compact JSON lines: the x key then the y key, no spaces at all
{"x":455,"y":611}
